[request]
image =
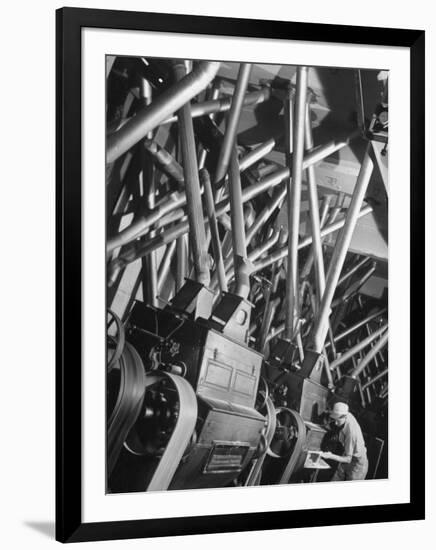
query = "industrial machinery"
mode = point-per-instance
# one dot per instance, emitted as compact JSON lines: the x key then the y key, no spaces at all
{"x":246,"y":269}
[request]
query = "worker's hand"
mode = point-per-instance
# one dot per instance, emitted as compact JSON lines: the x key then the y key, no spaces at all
{"x":326,"y":454}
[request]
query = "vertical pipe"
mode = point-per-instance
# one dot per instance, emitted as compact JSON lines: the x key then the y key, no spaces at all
{"x":182,"y":261}
{"x":202,"y":153}
{"x":233,"y":121}
{"x":213,"y":225}
{"x":294,"y":197}
{"x":238,"y":229}
{"x":192,"y":187}
{"x":149,"y":263}
{"x":314,"y":214}
{"x":340,"y":251}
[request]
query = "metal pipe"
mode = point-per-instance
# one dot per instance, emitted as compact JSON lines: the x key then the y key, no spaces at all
{"x":222,"y":105}
{"x":362,"y":397}
{"x":328,"y":371}
{"x":375,"y":378}
{"x":368,"y":331}
{"x":358,"y":347}
{"x":265,"y":246}
{"x":314,"y":214}
{"x":360,"y":108}
{"x":133,"y":231}
{"x":254,"y":254}
{"x":294,"y":197}
{"x":164,"y":161}
{"x":370,"y":355}
{"x":165,"y":265}
{"x":264,"y":170}
{"x":167,"y":103}
{"x":275,"y":331}
{"x":332,"y":342}
{"x":179,"y":199}
{"x":355,"y":287}
{"x":358,"y":325}
{"x":215,"y":94}
{"x":232,"y":122}
{"x":325,"y":209}
{"x":202,"y":151}
{"x":266,"y":213}
{"x":322,"y":151}
{"x":192,"y":186}
{"x":283,"y":252}
{"x":340,"y":251}
{"x":149,"y":263}
{"x":240,"y":263}
{"x":305,"y":271}
{"x":353,"y":270}
{"x":136,"y":250}
{"x":213,"y":225}
{"x":182,"y":261}
{"x":256,"y":154}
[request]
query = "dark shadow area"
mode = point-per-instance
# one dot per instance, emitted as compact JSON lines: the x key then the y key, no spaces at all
{"x":46,"y":528}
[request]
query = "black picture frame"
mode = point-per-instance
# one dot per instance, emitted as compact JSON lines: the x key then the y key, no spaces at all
{"x":69,"y":22}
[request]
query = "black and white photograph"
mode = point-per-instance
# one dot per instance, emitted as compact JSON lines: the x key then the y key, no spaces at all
{"x":247,"y":274}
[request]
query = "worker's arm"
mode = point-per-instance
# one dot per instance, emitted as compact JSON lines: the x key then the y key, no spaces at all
{"x":331,"y":456}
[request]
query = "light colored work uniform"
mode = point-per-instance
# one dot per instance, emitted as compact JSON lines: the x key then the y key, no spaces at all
{"x":354,"y":445}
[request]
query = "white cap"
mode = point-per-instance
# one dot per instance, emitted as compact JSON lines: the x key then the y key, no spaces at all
{"x":339,"y":409}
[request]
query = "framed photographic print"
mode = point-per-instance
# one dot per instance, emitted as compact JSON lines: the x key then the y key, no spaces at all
{"x":240,"y":252}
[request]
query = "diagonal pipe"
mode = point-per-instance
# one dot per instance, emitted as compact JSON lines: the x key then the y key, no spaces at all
{"x":358,"y":347}
{"x":283,"y":252}
{"x":178,"y":199}
{"x":169,"y":101}
{"x":370,"y":355}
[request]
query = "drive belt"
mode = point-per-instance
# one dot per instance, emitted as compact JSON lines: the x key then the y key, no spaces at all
{"x":298,"y":447}
{"x":128,"y":404}
{"x":256,"y":470}
{"x":182,"y":432}
{"x":119,"y":342}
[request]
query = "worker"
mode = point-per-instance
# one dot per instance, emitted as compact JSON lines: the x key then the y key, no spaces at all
{"x":353,"y":464}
